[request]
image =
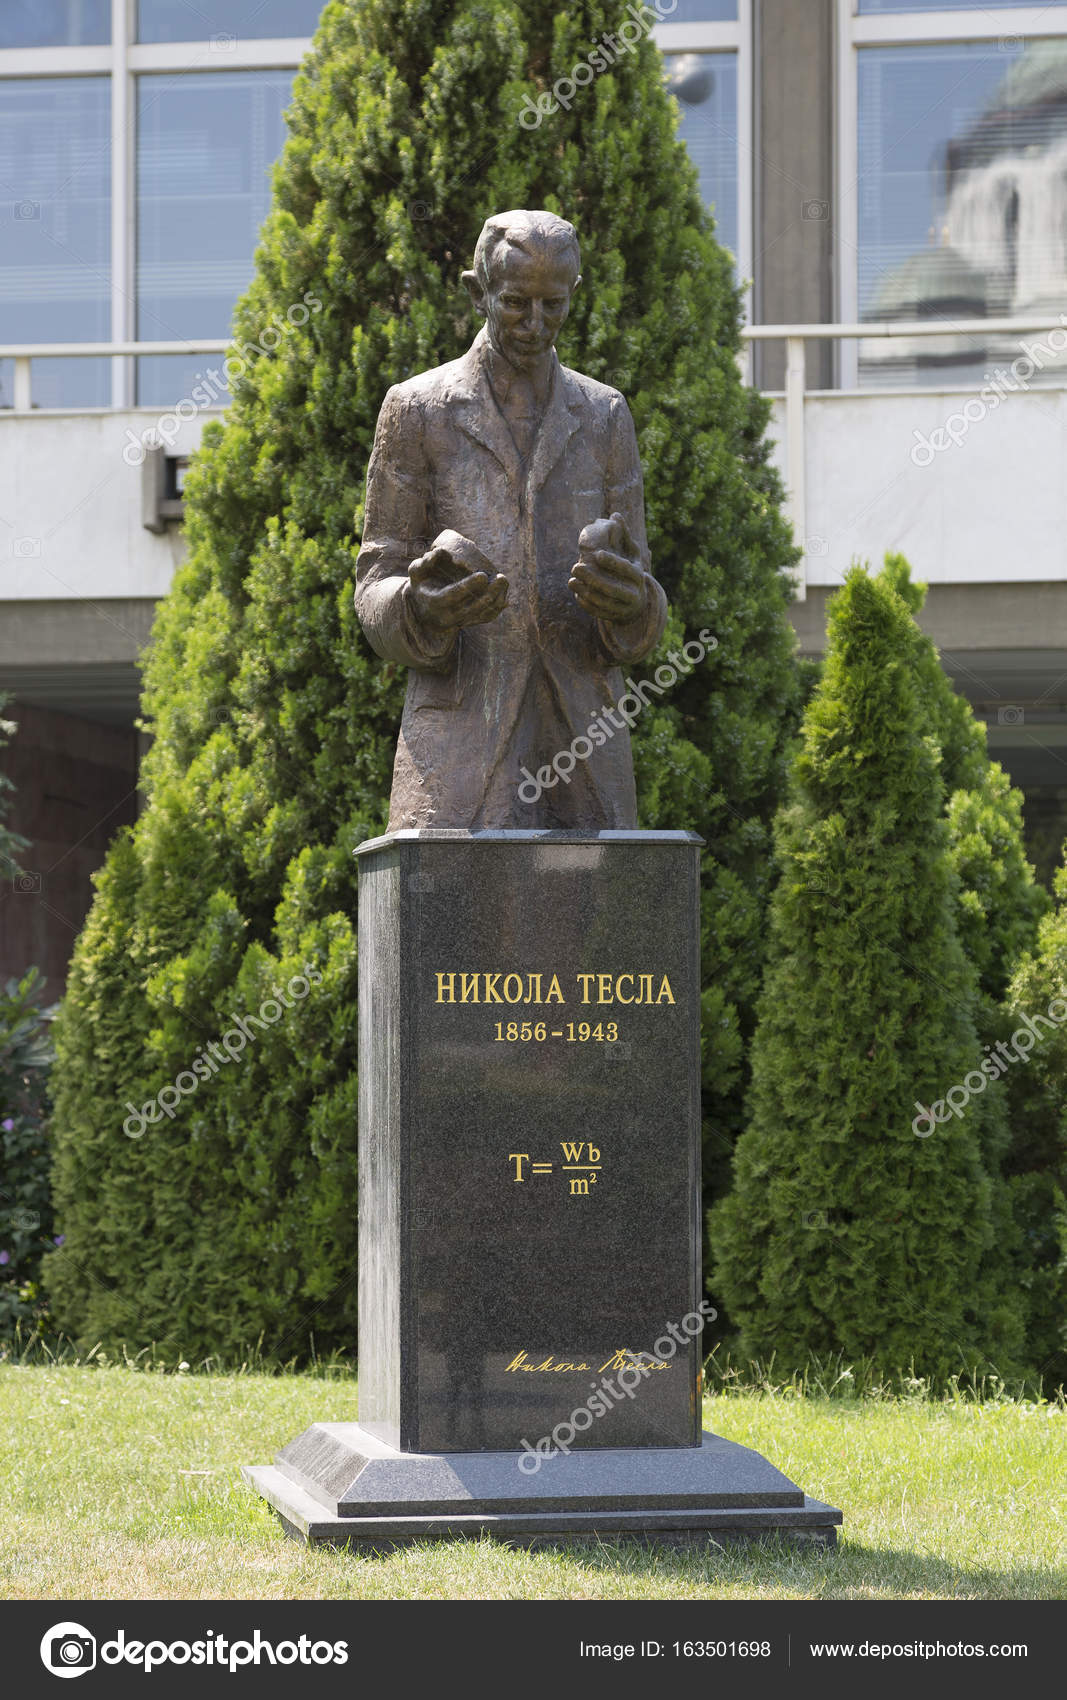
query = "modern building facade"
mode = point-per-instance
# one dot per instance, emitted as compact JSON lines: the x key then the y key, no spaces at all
{"x":892,"y":173}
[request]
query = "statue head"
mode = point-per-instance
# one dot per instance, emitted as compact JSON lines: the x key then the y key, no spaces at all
{"x":526,"y":268}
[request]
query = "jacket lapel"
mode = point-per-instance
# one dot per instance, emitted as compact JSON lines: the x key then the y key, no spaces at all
{"x":477,"y":414}
{"x":557,"y":427}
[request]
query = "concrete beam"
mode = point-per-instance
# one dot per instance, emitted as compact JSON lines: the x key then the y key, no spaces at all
{"x":74,"y":633}
{"x":1028,"y":617}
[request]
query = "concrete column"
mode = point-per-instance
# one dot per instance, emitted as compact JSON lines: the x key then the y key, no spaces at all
{"x":794,"y":224}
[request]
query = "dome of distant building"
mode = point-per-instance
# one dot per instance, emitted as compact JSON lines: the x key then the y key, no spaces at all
{"x":1037,"y":77}
{"x":928,"y":285}
{"x":1024,"y":115}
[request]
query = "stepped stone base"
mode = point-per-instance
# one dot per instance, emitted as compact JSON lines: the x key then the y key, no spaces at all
{"x":338,"y":1484}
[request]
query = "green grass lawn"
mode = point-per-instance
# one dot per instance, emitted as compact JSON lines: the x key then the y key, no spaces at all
{"x":123,"y":1484}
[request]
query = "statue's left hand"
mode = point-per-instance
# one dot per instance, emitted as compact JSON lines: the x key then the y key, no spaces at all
{"x":608,"y":579}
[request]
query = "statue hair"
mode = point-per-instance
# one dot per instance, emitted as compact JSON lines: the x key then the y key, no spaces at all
{"x":527,"y":231}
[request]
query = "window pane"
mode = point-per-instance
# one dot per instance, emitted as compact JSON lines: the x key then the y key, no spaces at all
{"x":962,"y":196}
{"x":55,"y":213}
{"x":55,"y":23}
{"x":705,"y":86}
{"x":699,"y":12}
{"x":946,"y":5}
{"x":225,"y":22}
{"x":205,"y":147}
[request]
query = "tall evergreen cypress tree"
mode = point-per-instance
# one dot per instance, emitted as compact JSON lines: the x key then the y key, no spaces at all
{"x":846,"y":1230}
{"x":275,"y":725}
{"x":998,"y":907}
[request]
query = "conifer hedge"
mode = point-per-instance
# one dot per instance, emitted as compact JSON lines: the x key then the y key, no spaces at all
{"x":855,"y":1225}
{"x":1036,"y":1165}
{"x":234,"y":1217}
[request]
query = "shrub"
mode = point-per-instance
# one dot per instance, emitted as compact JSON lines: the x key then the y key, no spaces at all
{"x":999,"y":905}
{"x":1037,"y":1166}
{"x":845,"y":1232}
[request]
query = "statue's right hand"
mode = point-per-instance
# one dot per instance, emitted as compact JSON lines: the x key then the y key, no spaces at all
{"x":445,"y":595}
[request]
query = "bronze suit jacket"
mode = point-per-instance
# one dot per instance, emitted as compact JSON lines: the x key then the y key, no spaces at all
{"x":487,"y":701}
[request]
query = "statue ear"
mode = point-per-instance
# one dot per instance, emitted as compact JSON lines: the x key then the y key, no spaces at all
{"x":472,"y":284}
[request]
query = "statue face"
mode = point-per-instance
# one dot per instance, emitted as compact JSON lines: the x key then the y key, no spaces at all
{"x":526,"y":303}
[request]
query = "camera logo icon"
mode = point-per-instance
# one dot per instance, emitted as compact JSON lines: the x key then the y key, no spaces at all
{"x":27,"y":548}
{"x":27,"y":209}
{"x":27,"y":884}
{"x":68,"y":1649}
{"x":1012,"y":715}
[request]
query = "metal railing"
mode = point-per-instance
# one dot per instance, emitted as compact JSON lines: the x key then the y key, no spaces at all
{"x":795,"y":336}
{"x":22,"y":353}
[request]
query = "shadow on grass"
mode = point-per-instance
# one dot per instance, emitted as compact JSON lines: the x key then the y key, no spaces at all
{"x":849,"y":1570}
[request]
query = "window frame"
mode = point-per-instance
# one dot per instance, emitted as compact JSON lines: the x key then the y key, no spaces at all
{"x":122,"y":61}
{"x":733,"y":37}
{"x":855,"y":31}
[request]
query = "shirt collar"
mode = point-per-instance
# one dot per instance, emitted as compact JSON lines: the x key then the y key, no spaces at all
{"x":502,"y":374}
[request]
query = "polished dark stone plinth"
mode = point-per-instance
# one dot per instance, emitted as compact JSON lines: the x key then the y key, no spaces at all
{"x":337,"y":1484}
{"x":529,"y":1209}
{"x":528,"y":1166}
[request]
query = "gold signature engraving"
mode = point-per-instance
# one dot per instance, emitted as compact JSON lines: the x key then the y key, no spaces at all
{"x":551,"y":1365}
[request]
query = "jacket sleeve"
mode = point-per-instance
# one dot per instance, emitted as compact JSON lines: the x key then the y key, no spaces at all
{"x":396,"y":530}
{"x":631,"y":639}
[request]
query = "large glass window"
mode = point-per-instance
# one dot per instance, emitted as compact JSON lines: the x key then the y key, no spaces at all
{"x":55,"y":23}
{"x":225,"y":21}
{"x":705,"y":86}
{"x":205,"y":147}
{"x":55,"y":214}
{"x":962,"y":195}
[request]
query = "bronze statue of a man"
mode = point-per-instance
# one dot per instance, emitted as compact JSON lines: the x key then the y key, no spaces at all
{"x":505,"y":563}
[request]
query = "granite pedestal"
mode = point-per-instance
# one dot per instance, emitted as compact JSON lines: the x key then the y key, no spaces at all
{"x":529,"y":1209}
